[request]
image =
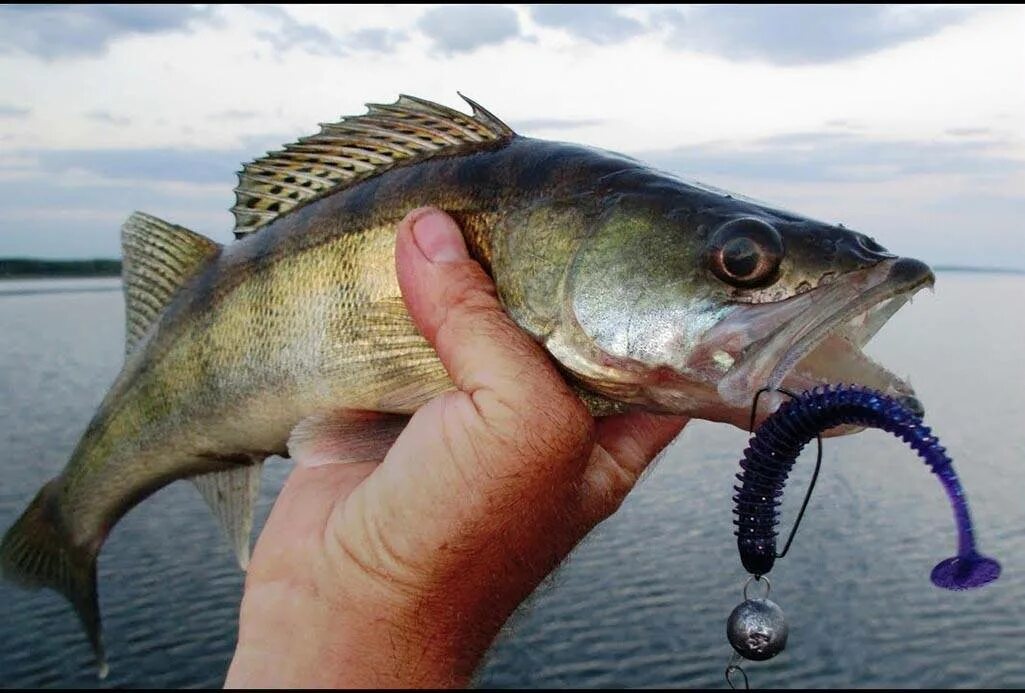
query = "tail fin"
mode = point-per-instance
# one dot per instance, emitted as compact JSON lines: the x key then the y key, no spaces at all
{"x":36,"y":553}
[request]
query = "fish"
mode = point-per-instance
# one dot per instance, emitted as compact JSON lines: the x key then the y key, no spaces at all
{"x":648,"y":292}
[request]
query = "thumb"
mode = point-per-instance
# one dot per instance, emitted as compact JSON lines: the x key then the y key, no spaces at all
{"x":454,"y":305}
{"x":509,"y":392}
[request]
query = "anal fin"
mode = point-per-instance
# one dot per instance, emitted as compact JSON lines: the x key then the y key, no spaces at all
{"x":231,"y":495}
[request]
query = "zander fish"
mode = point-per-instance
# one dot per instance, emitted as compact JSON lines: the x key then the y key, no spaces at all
{"x":648,"y":291}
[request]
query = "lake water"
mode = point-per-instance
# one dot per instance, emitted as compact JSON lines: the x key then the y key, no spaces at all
{"x":644,"y":599}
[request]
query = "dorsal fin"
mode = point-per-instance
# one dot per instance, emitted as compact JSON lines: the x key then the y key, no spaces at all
{"x":158,"y":258}
{"x":354,"y":149}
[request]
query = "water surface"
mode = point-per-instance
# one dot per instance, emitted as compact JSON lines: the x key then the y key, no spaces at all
{"x":643,"y":601}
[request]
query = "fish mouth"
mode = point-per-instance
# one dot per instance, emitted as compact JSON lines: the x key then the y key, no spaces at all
{"x":817,"y":337}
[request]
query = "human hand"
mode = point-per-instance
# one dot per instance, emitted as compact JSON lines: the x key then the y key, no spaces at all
{"x":402,"y":573}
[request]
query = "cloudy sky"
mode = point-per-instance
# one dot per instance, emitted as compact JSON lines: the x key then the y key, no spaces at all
{"x":905,"y":122}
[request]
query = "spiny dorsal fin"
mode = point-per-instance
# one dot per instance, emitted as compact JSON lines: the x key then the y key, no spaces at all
{"x":354,"y":149}
{"x":158,"y":258}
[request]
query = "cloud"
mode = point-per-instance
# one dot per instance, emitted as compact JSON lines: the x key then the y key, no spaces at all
{"x":162,"y":164}
{"x":779,"y":34}
{"x":108,"y":118}
{"x":43,"y":219}
{"x":528,"y":124}
{"x":291,"y":34}
{"x":464,"y":28}
{"x":64,"y":31}
{"x":803,"y":157}
{"x":948,"y":201}
{"x":47,"y":192}
{"x":375,"y":39}
{"x":596,"y":23}
{"x":844,"y":124}
{"x":233,"y":114}
{"x":803,"y":34}
{"x":970,"y":132}
{"x":807,"y":157}
{"x":68,"y":203}
{"x":9,"y":111}
{"x":185,"y":165}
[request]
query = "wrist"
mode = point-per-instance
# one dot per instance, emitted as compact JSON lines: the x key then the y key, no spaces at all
{"x":359,"y":637}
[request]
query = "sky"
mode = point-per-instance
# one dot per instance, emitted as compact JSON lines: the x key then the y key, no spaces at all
{"x":904,"y":122}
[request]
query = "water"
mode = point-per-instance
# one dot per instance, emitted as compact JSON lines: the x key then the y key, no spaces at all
{"x":644,"y":600}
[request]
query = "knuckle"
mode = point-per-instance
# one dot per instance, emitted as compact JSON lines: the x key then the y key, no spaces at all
{"x":468,"y":290}
{"x":567,"y":425}
{"x":467,"y":302}
{"x":469,"y":443}
{"x":607,"y":483}
{"x":549,"y":434}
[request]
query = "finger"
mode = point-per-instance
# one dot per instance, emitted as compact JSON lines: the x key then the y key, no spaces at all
{"x":635,"y":438}
{"x":454,"y":305}
{"x":627,"y":444}
{"x":300,"y":514}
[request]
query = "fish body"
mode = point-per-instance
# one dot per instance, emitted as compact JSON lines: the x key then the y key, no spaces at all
{"x":648,"y":292}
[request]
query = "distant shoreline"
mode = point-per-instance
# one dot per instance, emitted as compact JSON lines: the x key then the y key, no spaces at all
{"x":978,"y":270}
{"x":31,"y":268}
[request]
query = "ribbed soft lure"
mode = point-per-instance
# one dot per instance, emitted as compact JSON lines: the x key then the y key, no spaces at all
{"x":756,"y":628}
{"x":780,"y":439}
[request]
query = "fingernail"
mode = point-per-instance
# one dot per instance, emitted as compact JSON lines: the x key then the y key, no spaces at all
{"x":439,"y":238}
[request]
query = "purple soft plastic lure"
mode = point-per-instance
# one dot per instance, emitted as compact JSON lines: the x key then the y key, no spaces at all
{"x":779,"y":440}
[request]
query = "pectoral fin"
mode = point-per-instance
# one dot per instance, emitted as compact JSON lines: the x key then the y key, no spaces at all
{"x":232,"y":494}
{"x":407,"y":371}
{"x":343,"y":436}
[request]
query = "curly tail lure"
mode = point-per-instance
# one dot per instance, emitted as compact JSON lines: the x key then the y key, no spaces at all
{"x":756,"y":628}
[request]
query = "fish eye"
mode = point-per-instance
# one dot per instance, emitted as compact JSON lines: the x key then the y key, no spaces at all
{"x":746,"y":253}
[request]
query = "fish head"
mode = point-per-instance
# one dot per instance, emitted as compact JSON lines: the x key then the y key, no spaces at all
{"x":689,"y":300}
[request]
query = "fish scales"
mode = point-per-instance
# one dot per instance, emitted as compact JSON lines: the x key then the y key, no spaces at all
{"x":648,"y":292}
{"x":266,"y":320}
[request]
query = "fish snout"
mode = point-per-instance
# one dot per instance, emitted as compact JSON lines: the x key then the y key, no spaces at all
{"x":910,"y":272}
{"x":912,"y":404}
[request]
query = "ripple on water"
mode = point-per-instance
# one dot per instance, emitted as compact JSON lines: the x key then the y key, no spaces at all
{"x":643,"y":601}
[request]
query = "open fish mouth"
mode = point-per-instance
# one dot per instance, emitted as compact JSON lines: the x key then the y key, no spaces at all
{"x":817,"y":337}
